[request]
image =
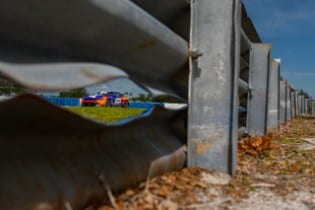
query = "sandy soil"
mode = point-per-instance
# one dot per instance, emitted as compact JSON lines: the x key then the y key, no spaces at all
{"x":276,"y":171}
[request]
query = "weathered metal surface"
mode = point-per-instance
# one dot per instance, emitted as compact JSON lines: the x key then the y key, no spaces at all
{"x":288,"y":102}
{"x":68,"y":159}
{"x":302,"y":105}
{"x":49,"y":155}
{"x":115,"y":32}
{"x":243,"y":87}
{"x":212,"y":118}
{"x":274,"y":95}
{"x":282,"y":100}
{"x":297,"y":107}
{"x":257,"y":109}
{"x":59,"y":76}
{"x":174,"y":14}
{"x":244,"y":64}
{"x":306,"y":100}
{"x":293,"y":103}
{"x":245,"y":42}
{"x":249,"y":27}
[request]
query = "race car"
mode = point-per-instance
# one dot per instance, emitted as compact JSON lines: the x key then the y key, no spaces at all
{"x":117,"y":99}
{"x":111,"y":98}
{"x":99,"y":99}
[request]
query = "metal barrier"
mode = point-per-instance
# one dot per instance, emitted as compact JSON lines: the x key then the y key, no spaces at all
{"x":274,"y":95}
{"x":208,"y":52}
{"x":60,"y":157}
{"x":58,"y":101}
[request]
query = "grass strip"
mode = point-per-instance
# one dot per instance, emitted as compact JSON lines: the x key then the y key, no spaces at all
{"x":106,"y":114}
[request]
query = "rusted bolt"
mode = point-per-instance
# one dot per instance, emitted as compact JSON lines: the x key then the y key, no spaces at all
{"x":195,"y":53}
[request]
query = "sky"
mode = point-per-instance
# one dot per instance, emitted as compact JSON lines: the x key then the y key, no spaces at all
{"x":289,"y":25}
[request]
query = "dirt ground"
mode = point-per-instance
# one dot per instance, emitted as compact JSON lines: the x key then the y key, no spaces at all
{"x":276,"y":171}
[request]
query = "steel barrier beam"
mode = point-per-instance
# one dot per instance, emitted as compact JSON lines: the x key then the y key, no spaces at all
{"x":213,"y":114}
{"x":274,"y":95}
{"x":257,"y":109}
{"x":57,"y":156}
{"x":282,"y":109}
{"x":288,"y":102}
{"x":174,"y":14}
{"x":115,"y":32}
{"x":245,"y":41}
{"x":60,"y":76}
{"x":245,"y":56}
{"x":243,"y":87}
{"x":244,"y":63}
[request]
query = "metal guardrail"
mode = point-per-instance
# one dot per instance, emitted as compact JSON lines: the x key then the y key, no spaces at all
{"x":63,"y":101}
{"x":54,"y":156}
{"x":115,"y":32}
{"x":206,"y":51}
{"x":59,"y":76}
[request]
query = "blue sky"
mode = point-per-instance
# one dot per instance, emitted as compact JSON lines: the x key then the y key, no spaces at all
{"x":290,"y":26}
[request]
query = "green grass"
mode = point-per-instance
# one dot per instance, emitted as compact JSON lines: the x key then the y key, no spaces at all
{"x":106,"y":114}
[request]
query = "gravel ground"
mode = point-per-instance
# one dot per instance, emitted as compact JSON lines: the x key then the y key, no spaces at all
{"x":276,"y":171}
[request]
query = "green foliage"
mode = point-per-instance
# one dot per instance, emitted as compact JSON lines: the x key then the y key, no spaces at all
{"x":106,"y":114}
{"x":76,"y":93}
{"x":303,"y":93}
{"x":8,"y":88}
{"x":309,"y":107}
{"x":143,"y":97}
{"x":158,"y":98}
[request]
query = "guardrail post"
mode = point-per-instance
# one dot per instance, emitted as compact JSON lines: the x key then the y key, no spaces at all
{"x":293,"y":103}
{"x":213,"y":84}
{"x":306,"y":106}
{"x":288,"y":102}
{"x":282,"y":109}
{"x":303,"y":105}
{"x":259,"y":73}
{"x":298,"y":104}
{"x":274,"y":95}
